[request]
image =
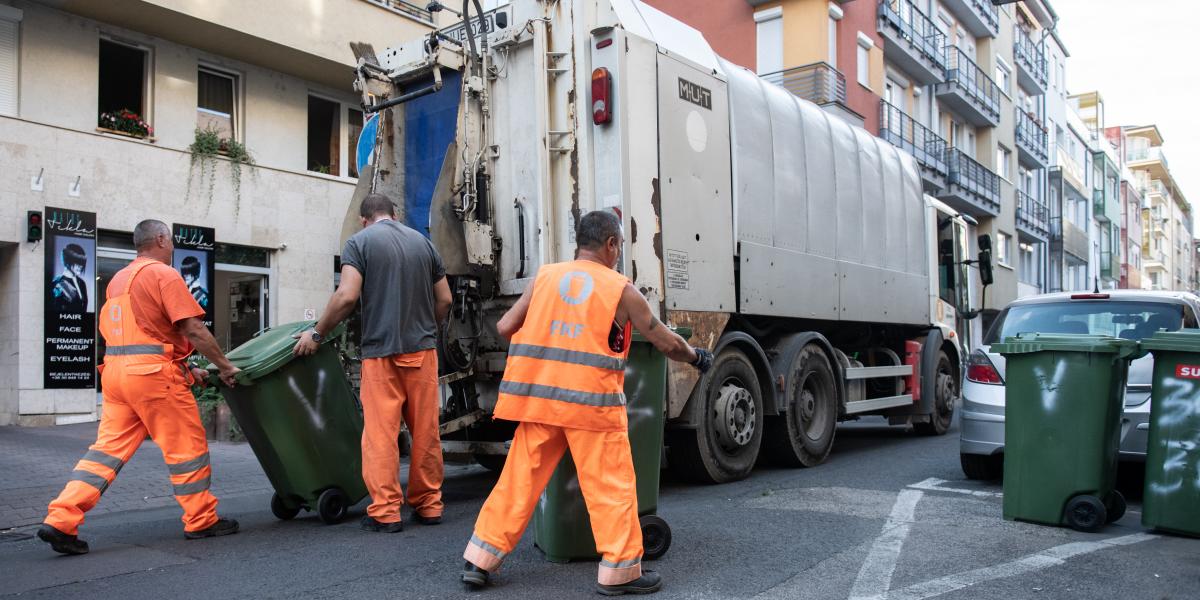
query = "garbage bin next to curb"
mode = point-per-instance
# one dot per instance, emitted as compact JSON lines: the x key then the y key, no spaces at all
{"x":1171,"y":501}
{"x":302,"y":421}
{"x":561,"y":526}
{"x":1063,"y":401}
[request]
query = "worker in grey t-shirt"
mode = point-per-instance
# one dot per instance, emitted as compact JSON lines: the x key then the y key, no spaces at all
{"x":402,"y":284}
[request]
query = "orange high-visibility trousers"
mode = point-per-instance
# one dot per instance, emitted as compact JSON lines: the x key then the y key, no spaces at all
{"x":401,"y":386}
{"x":142,"y":399}
{"x":606,"y":477}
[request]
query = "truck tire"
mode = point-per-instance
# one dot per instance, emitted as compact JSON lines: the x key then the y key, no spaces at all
{"x":945,"y":387}
{"x":802,"y":435}
{"x":725,"y":444}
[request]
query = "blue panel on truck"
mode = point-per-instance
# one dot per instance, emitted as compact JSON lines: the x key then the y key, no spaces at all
{"x":429,"y":127}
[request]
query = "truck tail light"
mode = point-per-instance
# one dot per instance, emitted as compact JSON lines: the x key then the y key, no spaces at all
{"x":912,"y":358}
{"x":601,"y":96}
{"x":981,"y":370}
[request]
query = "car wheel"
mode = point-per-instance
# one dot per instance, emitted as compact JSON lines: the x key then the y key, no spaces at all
{"x":982,"y":467}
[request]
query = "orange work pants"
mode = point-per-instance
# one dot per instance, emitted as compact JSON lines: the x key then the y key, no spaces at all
{"x":606,"y":477}
{"x":401,"y":386}
{"x":139,"y":400}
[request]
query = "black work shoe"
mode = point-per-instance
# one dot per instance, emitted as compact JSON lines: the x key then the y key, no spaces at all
{"x":370,"y":524}
{"x":220,"y":528}
{"x":61,"y":542}
{"x":422,"y":519}
{"x":474,"y":577}
{"x":648,"y":583}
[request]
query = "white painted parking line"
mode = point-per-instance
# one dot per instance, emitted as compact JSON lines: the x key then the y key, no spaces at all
{"x":875,"y":576}
{"x":1050,"y":557}
{"x":934,"y":484}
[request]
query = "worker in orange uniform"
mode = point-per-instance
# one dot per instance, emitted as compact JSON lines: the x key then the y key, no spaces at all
{"x":405,"y":295}
{"x":150,"y":324}
{"x":564,"y":385}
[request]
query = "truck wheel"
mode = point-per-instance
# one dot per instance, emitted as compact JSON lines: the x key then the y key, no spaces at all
{"x":491,"y":462}
{"x":803,"y":435}
{"x":945,"y":388}
{"x":725,"y":443}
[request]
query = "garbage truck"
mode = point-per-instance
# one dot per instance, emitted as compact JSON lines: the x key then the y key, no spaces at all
{"x":796,"y":247}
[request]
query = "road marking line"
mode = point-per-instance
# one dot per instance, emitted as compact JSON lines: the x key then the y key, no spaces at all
{"x":933,"y":485}
{"x":875,"y":576}
{"x":1050,"y":557}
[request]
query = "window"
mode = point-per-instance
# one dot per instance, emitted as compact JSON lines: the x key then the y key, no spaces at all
{"x":1027,"y":269}
{"x":770,"y":40}
{"x":864,"y":59}
{"x":1003,"y":76}
{"x":216,"y":102}
{"x":10,"y":21}
{"x":832,"y":35}
{"x":1003,"y":160}
{"x":1003,"y":248}
{"x":123,"y":74}
{"x":354,"y":127}
{"x":324,"y":136}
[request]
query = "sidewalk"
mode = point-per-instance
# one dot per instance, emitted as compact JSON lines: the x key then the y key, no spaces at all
{"x":35,"y":463}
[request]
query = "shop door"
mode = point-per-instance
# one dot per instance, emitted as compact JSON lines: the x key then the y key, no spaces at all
{"x":248,"y":308}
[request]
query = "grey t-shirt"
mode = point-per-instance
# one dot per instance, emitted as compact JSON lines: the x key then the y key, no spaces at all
{"x":399,"y":267}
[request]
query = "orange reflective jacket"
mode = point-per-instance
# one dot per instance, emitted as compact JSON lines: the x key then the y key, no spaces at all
{"x":561,"y":369}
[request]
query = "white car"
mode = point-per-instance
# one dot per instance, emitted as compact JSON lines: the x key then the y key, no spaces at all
{"x":1128,"y":314}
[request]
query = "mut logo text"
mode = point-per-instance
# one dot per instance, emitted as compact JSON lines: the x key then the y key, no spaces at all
{"x":695,"y":93}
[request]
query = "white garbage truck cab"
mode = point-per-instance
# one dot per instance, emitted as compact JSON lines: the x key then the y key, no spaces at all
{"x":798,"y":248}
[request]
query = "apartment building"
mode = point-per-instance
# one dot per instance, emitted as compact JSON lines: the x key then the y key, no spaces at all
{"x":100,"y":103}
{"x":1168,"y":254}
{"x":1105,"y":178}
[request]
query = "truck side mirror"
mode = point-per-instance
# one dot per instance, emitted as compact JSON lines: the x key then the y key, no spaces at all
{"x":985,"y":259}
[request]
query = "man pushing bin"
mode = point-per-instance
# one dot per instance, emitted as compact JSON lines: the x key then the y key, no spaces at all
{"x":564,"y":384}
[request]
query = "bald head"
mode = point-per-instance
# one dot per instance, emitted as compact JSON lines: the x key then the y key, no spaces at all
{"x":147,"y":232}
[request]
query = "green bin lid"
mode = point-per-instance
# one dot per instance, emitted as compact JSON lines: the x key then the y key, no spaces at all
{"x":270,"y":349}
{"x":1026,"y":343}
{"x":1184,"y":340}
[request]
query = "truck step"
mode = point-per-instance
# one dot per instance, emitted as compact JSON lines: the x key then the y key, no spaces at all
{"x":862,"y":406}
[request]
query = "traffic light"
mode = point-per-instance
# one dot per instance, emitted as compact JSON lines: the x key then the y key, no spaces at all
{"x":33,"y":226}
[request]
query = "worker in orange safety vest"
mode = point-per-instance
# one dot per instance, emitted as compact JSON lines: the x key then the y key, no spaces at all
{"x":564,"y":384}
{"x":150,"y":323}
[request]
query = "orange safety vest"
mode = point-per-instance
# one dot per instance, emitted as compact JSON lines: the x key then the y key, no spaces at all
{"x":561,"y":369}
{"x":126,"y":346}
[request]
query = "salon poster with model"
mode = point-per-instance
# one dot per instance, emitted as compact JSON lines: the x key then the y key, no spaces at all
{"x":195,"y":259}
{"x":70,"y":316}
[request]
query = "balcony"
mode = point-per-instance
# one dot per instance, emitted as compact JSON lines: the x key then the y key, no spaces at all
{"x":980,"y":17}
{"x":1033,"y":217}
{"x":1072,"y":173}
{"x":1145,"y":157}
{"x":1032,"y":150}
{"x":971,"y":187}
{"x":1068,"y":237}
{"x":1110,"y":265}
{"x":913,"y":41}
{"x":901,"y":130}
{"x":818,"y":83}
{"x":969,"y":91}
{"x":1032,"y":73}
{"x":412,"y":9}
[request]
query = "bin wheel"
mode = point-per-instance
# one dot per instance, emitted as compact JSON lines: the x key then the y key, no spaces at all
{"x":1086,"y":513}
{"x":331,"y":506}
{"x":281,"y":510}
{"x":1116,"y":507}
{"x":656,"y":537}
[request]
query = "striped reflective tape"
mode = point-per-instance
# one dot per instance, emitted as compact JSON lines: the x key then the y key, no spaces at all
{"x":490,"y":549}
{"x":90,"y":478}
{"x":105,"y":459}
{"x":550,"y":392}
{"x":134,"y":350}
{"x":575,"y":357}
{"x":621,"y":565}
{"x":195,"y":487}
{"x":188,"y":466}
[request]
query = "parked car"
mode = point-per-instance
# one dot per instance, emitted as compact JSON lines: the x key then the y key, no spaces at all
{"x":1128,"y":314}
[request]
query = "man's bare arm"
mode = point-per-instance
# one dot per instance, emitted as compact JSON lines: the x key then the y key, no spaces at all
{"x":342,"y":302}
{"x":442,"y":299}
{"x":512,"y":320}
{"x":642,"y":316}
{"x":206,"y":344}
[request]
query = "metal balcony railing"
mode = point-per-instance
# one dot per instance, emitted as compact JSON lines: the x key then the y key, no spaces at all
{"x":975,"y":178}
{"x":818,"y":83}
{"x":899,"y":129}
{"x":916,"y":28}
{"x":1031,"y":136}
{"x":974,"y":82}
{"x":1033,"y":215}
{"x":412,"y":9}
{"x":1030,"y":56}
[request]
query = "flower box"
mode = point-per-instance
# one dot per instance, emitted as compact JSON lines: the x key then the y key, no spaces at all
{"x":148,"y":138}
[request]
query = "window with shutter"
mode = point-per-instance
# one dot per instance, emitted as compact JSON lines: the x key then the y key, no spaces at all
{"x":9,"y":30}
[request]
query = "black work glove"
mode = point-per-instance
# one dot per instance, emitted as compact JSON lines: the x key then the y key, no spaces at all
{"x":704,"y":359}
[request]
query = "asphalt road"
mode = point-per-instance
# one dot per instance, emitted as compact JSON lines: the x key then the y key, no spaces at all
{"x":889,"y":515}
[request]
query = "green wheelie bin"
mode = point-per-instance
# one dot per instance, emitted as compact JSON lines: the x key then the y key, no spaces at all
{"x":561,"y":526}
{"x":1171,"y":499}
{"x":1063,"y":399}
{"x":302,"y":420}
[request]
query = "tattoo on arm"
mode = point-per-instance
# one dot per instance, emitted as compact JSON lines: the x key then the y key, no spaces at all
{"x":653,"y":323}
